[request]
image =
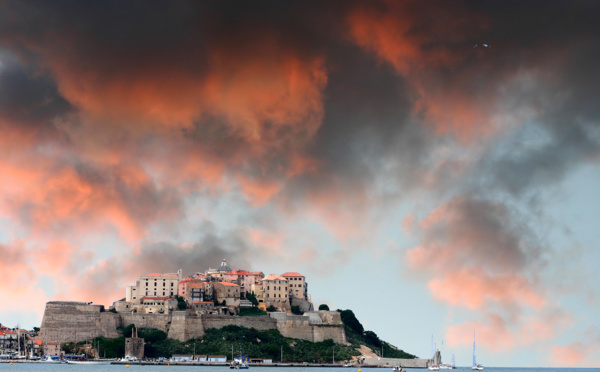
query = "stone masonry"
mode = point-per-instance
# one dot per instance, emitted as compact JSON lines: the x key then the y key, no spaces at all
{"x":77,"y":321}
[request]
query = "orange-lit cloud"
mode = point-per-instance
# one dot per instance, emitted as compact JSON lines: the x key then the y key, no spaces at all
{"x":579,"y":354}
{"x":419,"y":45}
{"x":493,"y":263}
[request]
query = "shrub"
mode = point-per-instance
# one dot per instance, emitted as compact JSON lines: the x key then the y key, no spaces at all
{"x":296,"y":310}
{"x":323,"y":307}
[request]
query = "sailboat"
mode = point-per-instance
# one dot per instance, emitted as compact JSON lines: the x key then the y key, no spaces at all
{"x":448,"y":366}
{"x":476,"y":366}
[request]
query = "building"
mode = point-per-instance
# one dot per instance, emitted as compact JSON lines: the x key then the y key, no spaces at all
{"x":157,"y":305}
{"x":245,"y":279}
{"x":206,"y":307}
{"x":298,"y":287}
{"x":52,"y":348}
{"x":228,"y":293}
{"x":134,"y":345}
{"x":275,"y":292}
{"x":217,"y":274}
{"x":194,"y":278}
{"x":154,"y":285}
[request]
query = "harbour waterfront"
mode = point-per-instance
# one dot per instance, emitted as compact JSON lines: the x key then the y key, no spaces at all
{"x":40,"y":367}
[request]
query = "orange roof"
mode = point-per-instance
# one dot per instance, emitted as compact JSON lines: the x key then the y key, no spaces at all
{"x":196,"y":285}
{"x":37,"y":342}
{"x":238,"y":272}
{"x":229,"y":284}
{"x":292,"y":274}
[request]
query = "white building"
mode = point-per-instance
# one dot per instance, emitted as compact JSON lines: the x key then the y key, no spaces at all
{"x":154,"y":285}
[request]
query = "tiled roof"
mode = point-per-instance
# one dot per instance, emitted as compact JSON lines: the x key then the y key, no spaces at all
{"x":196,"y":285}
{"x":229,"y":284}
{"x":239,"y":272}
{"x":292,"y":274}
{"x":274,"y":277}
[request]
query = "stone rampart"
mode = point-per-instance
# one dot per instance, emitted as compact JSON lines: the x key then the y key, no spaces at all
{"x":77,"y":321}
{"x":185,"y":326}
{"x":308,"y":327}
{"x":67,"y":321}
{"x":260,"y":323}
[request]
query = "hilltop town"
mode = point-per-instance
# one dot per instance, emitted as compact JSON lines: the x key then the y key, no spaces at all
{"x":220,"y":291}
{"x":189,"y":308}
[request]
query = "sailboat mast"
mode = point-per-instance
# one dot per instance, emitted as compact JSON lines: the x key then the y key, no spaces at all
{"x":474,"y":360}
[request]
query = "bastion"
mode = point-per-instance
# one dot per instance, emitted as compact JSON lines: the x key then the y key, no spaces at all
{"x":67,"y":321}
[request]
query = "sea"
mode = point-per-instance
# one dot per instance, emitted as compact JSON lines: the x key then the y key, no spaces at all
{"x":35,"y":367}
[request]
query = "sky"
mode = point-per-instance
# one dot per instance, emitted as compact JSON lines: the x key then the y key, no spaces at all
{"x":437,"y":189}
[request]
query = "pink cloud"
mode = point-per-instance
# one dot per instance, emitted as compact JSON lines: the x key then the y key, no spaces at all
{"x":476,"y":258}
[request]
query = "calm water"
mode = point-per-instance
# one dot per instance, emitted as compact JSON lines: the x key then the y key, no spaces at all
{"x":22,"y":367}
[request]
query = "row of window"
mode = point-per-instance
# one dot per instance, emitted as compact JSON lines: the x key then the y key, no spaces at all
{"x":164,"y":284}
{"x":285,"y":296}
{"x":276,"y":289}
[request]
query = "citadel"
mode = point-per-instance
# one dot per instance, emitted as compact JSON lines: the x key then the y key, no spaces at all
{"x":185,"y":308}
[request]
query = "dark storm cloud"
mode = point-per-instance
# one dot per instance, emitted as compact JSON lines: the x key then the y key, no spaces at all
{"x":372,"y":119}
{"x":207,"y":252}
{"x":27,"y":98}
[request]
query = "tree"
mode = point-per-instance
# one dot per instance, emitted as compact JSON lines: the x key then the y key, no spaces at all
{"x":271,"y":308}
{"x":323,"y":307}
{"x":351,"y":322}
{"x":252,"y":298}
{"x":372,"y":338}
{"x":296,"y":310}
{"x":181,"y":304}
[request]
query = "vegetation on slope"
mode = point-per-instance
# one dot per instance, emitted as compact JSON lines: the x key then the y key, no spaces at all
{"x":256,"y":344}
{"x":356,"y":335}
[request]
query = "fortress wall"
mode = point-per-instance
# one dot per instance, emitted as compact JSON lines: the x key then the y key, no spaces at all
{"x":322,"y":332}
{"x":68,"y":321}
{"x":158,"y":321}
{"x":185,"y":326}
{"x":331,"y":317}
{"x":108,"y":323}
{"x":261,"y":323}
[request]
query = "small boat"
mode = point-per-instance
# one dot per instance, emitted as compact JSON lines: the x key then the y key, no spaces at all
{"x":397,"y":369}
{"x":88,"y":362}
{"x":238,"y":363}
{"x":50,"y":359}
{"x":433,"y":368}
{"x":446,"y":366}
